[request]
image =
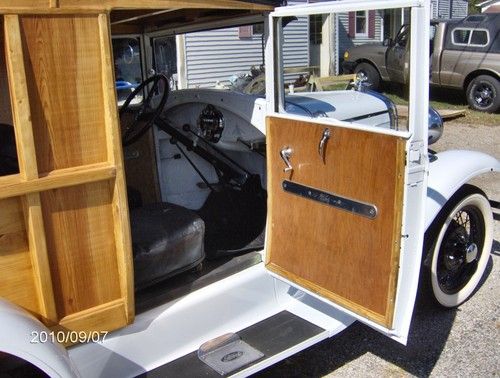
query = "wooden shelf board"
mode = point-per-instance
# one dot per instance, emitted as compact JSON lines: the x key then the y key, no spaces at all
{"x":14,"y":185}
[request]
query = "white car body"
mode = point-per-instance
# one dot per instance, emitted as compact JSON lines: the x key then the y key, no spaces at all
{"x":175,"y":329}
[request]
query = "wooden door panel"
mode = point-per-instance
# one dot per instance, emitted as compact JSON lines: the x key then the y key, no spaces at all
{"x":348,"y":258}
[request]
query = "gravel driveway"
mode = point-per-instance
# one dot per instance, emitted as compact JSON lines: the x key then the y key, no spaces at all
{"x":442,"y":343}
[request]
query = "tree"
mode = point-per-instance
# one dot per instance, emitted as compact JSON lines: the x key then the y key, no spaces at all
{"x":473,"y":8}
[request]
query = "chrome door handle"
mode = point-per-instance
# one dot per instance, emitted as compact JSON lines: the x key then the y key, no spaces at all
{"x":322,"y":143}
{"x":286,"y":153}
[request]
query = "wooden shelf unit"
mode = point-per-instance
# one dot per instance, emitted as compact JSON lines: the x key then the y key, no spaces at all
{"x":65,"y":249}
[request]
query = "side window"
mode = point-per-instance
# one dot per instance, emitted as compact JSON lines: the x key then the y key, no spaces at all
{"x":461,"y":36}
{"x":128,"y":68}
{"x":470,"y":37}
{"x":165,"y":58}
{"x":479,"y":38}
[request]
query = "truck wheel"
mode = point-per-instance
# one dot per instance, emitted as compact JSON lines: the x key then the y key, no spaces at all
{"x":483,"y":94}
{"x":371,"y":73}
{"x":460,"y":247}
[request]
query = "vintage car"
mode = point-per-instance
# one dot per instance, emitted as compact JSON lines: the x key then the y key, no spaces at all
{"x":206,"y":231}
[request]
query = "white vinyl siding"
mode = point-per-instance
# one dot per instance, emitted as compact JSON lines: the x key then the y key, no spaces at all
{"x":214,"y":56}
{"x":452,"y":8}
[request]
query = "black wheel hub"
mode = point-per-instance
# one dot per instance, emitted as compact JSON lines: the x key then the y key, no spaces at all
{"x":460,"y":250}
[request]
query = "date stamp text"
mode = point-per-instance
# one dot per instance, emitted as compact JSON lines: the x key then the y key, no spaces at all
{"x":67,"y":337}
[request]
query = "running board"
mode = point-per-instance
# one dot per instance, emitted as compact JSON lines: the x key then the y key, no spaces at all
{"x":257,"y":347}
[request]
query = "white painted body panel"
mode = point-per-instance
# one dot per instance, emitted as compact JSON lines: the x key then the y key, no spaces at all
{"x":170,"y":331}
{"x":449,"y":172}
{"x":18,"y":336}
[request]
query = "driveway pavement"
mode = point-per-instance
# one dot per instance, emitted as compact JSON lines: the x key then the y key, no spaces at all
{"x":442,"y":343}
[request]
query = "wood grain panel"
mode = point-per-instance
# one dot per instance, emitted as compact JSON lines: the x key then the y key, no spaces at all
{"x":63,"y":70}
{"x":16,"y":273}
{"x":81,"y":246}
{"x":348,"y":258}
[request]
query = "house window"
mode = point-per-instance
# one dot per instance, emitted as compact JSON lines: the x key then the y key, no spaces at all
{"x":315,"y":29}
{"x":258,"y":28}
{"x":250,"y":30}
{"x":470,"y":37}
{"x":361,"y":23}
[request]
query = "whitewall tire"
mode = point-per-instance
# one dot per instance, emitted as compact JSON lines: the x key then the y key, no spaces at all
{"x":461,"y":249}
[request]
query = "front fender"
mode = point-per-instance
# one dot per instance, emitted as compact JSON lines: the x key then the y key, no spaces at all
{"x":449,"y":172}
{"x":17,"y":337}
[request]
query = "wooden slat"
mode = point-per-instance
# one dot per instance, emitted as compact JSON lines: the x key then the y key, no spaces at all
{"x":115,"y":157}
{"x":106,"y":317}
{"x":14,"y":185}
{"x":5,"y":110}
{"x":83,"y":6}
{"x":19,"y":98}
{"x":321,"y":83}
{"x":160,"y":4}
{"x":28,"y":166}
{"x":345,"y":257}
{"x":39,"y":258}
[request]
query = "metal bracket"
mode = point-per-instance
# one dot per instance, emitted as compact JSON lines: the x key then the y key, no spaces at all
{"x":353,"y":206}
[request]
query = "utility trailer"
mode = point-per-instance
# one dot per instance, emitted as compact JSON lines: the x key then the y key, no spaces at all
{"x":206,"y":231}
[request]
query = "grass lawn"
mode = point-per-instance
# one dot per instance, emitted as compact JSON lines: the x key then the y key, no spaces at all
{"x":448,"y":99}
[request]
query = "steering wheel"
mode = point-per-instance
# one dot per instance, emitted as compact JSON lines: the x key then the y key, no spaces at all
{"x":135,"y":121}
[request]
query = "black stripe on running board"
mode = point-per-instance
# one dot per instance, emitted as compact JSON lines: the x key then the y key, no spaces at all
{"x":270,"y":336}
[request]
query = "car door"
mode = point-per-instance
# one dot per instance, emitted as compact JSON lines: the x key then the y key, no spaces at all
{"x":335,"y":221}
{"x":396,"y":56}
{"x":346,"y":199}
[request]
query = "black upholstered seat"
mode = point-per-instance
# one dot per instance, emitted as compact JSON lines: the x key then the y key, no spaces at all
{"x":167,"y":239}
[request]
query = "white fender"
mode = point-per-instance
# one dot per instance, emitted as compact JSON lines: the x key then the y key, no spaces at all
{"x":449,"y":172}
{"x":17,"y":332}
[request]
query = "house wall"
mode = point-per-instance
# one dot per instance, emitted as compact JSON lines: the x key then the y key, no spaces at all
{"x":459,"y":8}
{"x":214,"y":56}
{"x":451,"y":8}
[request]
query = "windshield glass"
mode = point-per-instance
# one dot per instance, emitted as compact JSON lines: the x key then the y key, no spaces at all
{"x":128,"y":70}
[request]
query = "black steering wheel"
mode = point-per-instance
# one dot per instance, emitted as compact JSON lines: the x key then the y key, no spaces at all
{"x":135,"y":121}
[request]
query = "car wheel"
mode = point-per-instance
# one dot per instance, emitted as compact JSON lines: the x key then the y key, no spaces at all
{"x":460,"y":249}
{"x":371,"y":74}
{"x":483,"y":94}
